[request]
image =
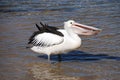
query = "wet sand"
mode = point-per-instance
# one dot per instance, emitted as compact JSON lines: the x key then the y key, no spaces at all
{"x":97,"y":59}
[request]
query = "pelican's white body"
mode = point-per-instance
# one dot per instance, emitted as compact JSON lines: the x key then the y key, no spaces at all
{"x":71,"y":41}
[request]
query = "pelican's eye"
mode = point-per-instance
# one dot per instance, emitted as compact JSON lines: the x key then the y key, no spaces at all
{"x":70,"y":22}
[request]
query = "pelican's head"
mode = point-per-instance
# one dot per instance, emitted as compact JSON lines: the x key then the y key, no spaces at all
{"x":81,"y":29}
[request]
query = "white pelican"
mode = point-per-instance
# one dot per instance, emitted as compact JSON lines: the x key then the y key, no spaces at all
{"x":51,"y":40}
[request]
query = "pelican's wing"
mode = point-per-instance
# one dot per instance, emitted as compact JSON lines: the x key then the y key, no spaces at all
{"x":46,"y":39}
{"x":46,"y":36}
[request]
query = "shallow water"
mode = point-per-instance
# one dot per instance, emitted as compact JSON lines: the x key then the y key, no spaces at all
{"x":97,"y":59}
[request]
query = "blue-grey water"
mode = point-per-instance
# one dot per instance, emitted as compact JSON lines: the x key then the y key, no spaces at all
{"x":97,"y":59}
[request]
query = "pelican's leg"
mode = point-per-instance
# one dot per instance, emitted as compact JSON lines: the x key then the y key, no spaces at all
{"x":59,"y":57}
{"x":48,"y":57}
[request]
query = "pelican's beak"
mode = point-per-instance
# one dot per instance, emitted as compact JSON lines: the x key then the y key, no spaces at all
{"x":82,"y":29}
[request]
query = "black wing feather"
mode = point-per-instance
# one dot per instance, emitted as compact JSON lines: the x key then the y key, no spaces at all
{"x":38,"y":27}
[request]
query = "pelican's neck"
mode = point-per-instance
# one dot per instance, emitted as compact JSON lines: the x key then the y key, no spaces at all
{"x":71,"y":33}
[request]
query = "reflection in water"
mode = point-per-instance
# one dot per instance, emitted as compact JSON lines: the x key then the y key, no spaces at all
{"x":97,"y":59}
{"x":81,"y":56}
{"x":45,"y":71}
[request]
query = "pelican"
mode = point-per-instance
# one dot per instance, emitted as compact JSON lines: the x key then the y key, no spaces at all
{"x":51,"y":40}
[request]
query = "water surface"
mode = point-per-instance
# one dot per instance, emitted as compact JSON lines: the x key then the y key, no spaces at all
{"x":97,"y":59}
